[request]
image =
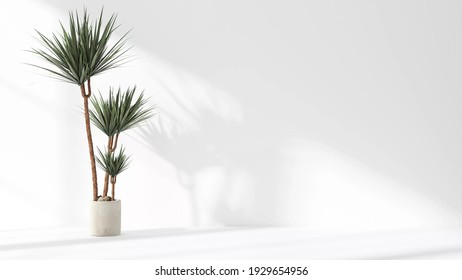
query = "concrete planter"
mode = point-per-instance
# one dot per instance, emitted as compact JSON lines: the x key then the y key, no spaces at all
{"x":105,"y":218}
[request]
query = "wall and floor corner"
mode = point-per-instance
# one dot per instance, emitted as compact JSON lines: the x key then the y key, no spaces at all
{"x":312,"y":113}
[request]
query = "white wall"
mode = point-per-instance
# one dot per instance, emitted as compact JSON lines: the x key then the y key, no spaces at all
{"x":318,"y":113}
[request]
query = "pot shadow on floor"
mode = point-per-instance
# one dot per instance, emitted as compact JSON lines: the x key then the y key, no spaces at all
{"x":126,"y":235}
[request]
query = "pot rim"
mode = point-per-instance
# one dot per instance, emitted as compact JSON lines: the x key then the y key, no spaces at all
{"x":112,"y":201}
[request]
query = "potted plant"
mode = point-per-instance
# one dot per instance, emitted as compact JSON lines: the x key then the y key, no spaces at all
{"x":75,"y":55}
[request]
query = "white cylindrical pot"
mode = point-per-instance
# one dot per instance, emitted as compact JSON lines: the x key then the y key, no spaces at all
{"x":105,"y":218}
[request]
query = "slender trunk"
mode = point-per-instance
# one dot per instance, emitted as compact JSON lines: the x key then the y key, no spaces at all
{"x":114,"y":144}
{"x":86,"y":96}
{"x":106,"y":177}
{"x":111,"y":147}
{"x":113,"y":182}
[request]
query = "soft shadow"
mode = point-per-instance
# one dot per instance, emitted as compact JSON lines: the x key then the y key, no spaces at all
{"x":227,"y":184}
{"x":424,"y":254}
{"x":125,"y":236}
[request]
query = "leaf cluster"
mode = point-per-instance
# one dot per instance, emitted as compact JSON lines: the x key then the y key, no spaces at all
{"x":83,"y":50}
{"x":113,"y":163}
{"x":120,"y":111}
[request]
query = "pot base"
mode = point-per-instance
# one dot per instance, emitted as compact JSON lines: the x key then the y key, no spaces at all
{"x":105,"y":218}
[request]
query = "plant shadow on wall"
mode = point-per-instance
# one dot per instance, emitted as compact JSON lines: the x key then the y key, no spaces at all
{"x":230,"y":177}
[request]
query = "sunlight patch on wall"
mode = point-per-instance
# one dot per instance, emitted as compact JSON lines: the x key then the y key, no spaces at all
{"x":328,"y":189}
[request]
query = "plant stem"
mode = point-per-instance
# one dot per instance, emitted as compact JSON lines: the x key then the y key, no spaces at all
{"x":111,"y":147}
{"x":114,"y":144}
{"x":86,"y":96}
{"x":106,"y":176}
{"x":113,"y":182}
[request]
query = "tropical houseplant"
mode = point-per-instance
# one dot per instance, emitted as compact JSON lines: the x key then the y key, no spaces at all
{"x":75,"y":55}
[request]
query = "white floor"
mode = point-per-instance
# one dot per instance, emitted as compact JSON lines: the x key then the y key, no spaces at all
{"x":231,"y":243}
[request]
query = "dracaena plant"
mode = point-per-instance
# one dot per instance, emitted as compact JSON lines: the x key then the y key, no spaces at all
{"x":117,"y":113}
{"x":76,"y":53}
